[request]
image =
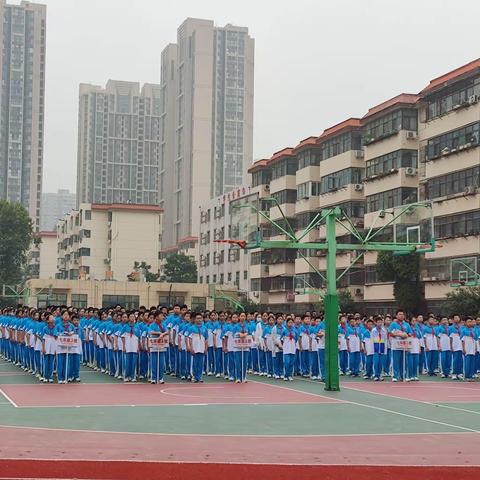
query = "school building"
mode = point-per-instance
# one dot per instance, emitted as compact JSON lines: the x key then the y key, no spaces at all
{"x":412,"y":147}
{"x":92,"y":293}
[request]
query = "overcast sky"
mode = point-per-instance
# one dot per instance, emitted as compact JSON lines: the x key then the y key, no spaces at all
{"x":316,"y":62}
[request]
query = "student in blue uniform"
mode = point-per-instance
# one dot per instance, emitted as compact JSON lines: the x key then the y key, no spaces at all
{"x":445,"y":348}
{"x":469,"y":348}
{"x":158,"y":329}
{"x":353,"y":345}
{"x":49,"y":348}
{"x":431,"y":346}
{"x":304,"y":340}
{"x":198,"y":345}
{"x":379,"y":339}
{"x":342,"y":345}
{"x":289,"y":339}
{"x":76,"y":353}
{"x":413,"y":356}
{"x":64,"y":328}
{"x":130,"y":340}
{"x":269,"y":346}
{"x":399,"y":329}
{"x":367,"y":348}
{"x":241,"y":333}
{"x":455,"y":334}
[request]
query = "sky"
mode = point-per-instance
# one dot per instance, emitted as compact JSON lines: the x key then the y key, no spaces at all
{"x":317,"y":62}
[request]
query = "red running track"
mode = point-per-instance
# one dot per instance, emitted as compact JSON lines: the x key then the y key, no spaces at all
{"x":422,"y":391}
{"x":143,"y":394}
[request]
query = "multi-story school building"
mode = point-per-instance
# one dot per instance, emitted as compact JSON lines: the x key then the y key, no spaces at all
{"x":410,"y":148}
{"x":102,"y":241}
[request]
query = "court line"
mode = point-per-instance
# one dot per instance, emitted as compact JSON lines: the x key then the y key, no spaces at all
{"x":8,"y":398}
{"x":246,"y":435}
{"x":400,"y":413}
{"x":424,"y":402}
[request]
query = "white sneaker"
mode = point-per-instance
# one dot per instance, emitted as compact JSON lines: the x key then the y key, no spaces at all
{"x":408,"y":379}
{"x":285,"y":379}
{"x":416,"y":379}
{"x":290,"y":379}
{"x":394,"y":380}
{"x":217,"y":375}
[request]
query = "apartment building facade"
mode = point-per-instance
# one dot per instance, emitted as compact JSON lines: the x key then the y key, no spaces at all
{"x":118,"y":143}
{"x":55,"y":206}
{"x":22,"y":102}
{"x":207,"y":96}
{"x":412,"y":147}
{"x":103,"y":241}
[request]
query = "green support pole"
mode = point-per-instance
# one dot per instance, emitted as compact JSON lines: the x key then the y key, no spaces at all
{"x":332,"y":382}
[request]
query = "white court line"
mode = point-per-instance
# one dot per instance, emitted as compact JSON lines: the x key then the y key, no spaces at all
{"x":8,"y":398}
{"x":246,"y":435}
{"x":400,"y":413}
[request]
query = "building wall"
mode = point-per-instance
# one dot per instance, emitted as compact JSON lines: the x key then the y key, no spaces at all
{"x":48,"y":255}
{"x":83,"y":293}
{"x":118,"y":143}
{"x":55,"y":206}
{"x":22,"y":99}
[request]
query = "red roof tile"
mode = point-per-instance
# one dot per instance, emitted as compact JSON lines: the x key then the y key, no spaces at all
{"x":187,"y":239}
{"x":454,"y":74}
{"x":305,"y":143}
{"x":285,"y":152}
{"x":341,"y":127}
{"x":127,"y":206}
{"x":402,"y":99}
{"x":46,"y":234}
{"x":258,"y":165}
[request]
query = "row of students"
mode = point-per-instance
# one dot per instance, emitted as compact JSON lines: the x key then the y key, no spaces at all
{"x":120,"y":344}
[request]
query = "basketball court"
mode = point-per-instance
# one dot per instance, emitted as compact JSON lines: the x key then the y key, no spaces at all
{"x":104,"y":429}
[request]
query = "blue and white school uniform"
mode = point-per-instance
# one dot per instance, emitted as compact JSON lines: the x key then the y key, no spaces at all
{"x":278,"y":361}
{"x":218,"y":346}
{"x":157,"y":358}
{"x":469,"y":339}
{"x":342,"y":349}
{"x":50,"y":349}
{"x":455,"y":334}
{"x":413,"y":357}
{"x":379,"y":339}
{"x":268,"y":342}
{"x":314,"y":360}
{"x":304,"y":343}
{"x":399,"y":355}
{"x":353,"y":337}
{"x":131,"y":343}
{"x":198,"y":336}
{"x":241,"y":354}
{"x":289,"y":340}
{"x":75,"y":356}
{"x":431,"y":348}
{"x":445,"y":350}
{"x":63,"y":358}
{"x":369,"y":352}
{"x":320,"y":336}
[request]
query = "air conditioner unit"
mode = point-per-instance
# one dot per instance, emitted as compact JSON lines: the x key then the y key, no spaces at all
{"x":359,"y":154}
{"x":290,"y":296}
{"x":358,"y":292}
{"x":470,"y":190}
{"x":410,"y":172}
{"x":446,"y":151}
{"x":472,"y":99}
{"x":267,"y":187}
{"x":411,"y":135}
{"x":256,"y":294}
{"x":381,"y":214}
{"x":358,"y":187}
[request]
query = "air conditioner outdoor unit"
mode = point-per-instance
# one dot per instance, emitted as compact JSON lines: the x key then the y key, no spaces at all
{"x":256,"y":294}
{"x":411,"y":172}
{"x":267,"y":187}
{"x":470,"y":190}
{"x":359,"y":154}
{"x":446,"y":151}
{"x":472,"y":99}
{"x":358,"y":187}
{"x":411,"y":135}
{"x":358,"y":292}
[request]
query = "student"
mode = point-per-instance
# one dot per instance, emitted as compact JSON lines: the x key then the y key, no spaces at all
{"x":63,"y":357}
{"x":387,"y":365}
{"x":314,"y":360}
{"x":157,"y":356}
{"x":198,"y":335}
{"x":130,"y":341}
{"x":413,"y":357}
{"x":49,"y":348}
{"x":455,"y":334}
{"x":241,"y":333}
{"x":379,"y":340}
{"x":445,"y":347}
{"x":353,"y":347}
{"x":320,"y":337}
{"x":367,"y":348}
{"x":267,"y":335}
{"x":469,"y":348}
{"x":289,"y":339}
{"x":304,"y":345}
{"x":76,"y":353}
{"x":277,"y":331}
{"x":431,"y":346}
{"x":399,"y":329}
{"x":342,"y":345}
{"x":217,"y":341}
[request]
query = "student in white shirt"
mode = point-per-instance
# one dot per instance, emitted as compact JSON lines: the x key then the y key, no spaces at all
{"x":455,"y":334}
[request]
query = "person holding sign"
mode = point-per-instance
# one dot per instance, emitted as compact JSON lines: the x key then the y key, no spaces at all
{"x":289,"y":339}
{"x":198,"y":345}
{"x":49,"y":348}
{"x":158,"y":341}
{"x":63,"y":329}
{"x":242,"y":335}
{"x":399,"y":330}
{"x":76,"y":353}
{"x":130,"y":343}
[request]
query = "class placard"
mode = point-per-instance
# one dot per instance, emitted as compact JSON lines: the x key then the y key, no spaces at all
{"x":401,"y":343}
{"x":158,"y":344}
{"x":243,"y":343}
{"x":67,"y":343}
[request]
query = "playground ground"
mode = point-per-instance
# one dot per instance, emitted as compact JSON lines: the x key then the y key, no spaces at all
{"x":104,"y":429}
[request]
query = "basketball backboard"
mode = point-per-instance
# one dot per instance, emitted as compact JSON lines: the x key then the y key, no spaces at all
{"x":413,"y":224}
{"x":244,"y":219}
{"x":464,"y":271}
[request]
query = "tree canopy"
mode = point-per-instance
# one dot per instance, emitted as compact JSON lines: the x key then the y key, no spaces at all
{"x":15,"y":238}
{"x":180,"y":268}
{"x":464,"y":301}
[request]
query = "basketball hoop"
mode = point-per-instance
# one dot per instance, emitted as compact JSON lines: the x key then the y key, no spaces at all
{"x":240,"y":243}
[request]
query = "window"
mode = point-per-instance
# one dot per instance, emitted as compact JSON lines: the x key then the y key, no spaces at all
{"x":340,"y":144}
{"x":304,"y":219}
{"x":229,"y":276}
{"x":453,"y":183}
{"x":308,"y":158}
{"x":340,"y":179}
{"x":453,"y":98}
{"x":127,"y":301}
{"x":245,"y":274}
{"x":308,"y":189}
{"x":54,"y":298}
{"x":390,"y":124}
{"x":88,"y":214}
{"x":237,"y":278}
{"x":214,"y":278}
{"x":171,"y":299}
{"x":222,"y":279}
{"x":390,"y":161}
{"x":287,"y":166}
{"x":285,"y":196}
{"x":85,"y":234}
{"x":462,"y":138}
{"x":79,"y":300}
{"x":462,"y":224}
{"x":261,"y":177}
{"x":83,"y":252}
{"x":281,"y":283}
{"x":283,"y":224}
{"x":199,"y":304}
{"x":391,"y":198}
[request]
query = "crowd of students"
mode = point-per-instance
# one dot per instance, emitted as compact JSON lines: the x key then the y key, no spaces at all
{"x":148,"y":344}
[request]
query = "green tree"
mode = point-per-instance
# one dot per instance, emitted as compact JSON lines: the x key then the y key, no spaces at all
{"x":143,"y":267}
{"x":346,"y":302}
{"x":404,"y":272}
{"x":15,"y":239}
{"x":180,"y":268}
{"x":464,"y":301}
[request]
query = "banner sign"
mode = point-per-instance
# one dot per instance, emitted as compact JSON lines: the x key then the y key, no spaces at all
{"x":158,"y":344}
{"x":243,"y":343}
{"x":67,"y":343}
{"x":401,"y":343}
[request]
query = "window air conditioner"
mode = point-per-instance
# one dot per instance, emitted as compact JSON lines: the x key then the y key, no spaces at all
{"x":358,"y":187}
{"x":410,"y":172}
